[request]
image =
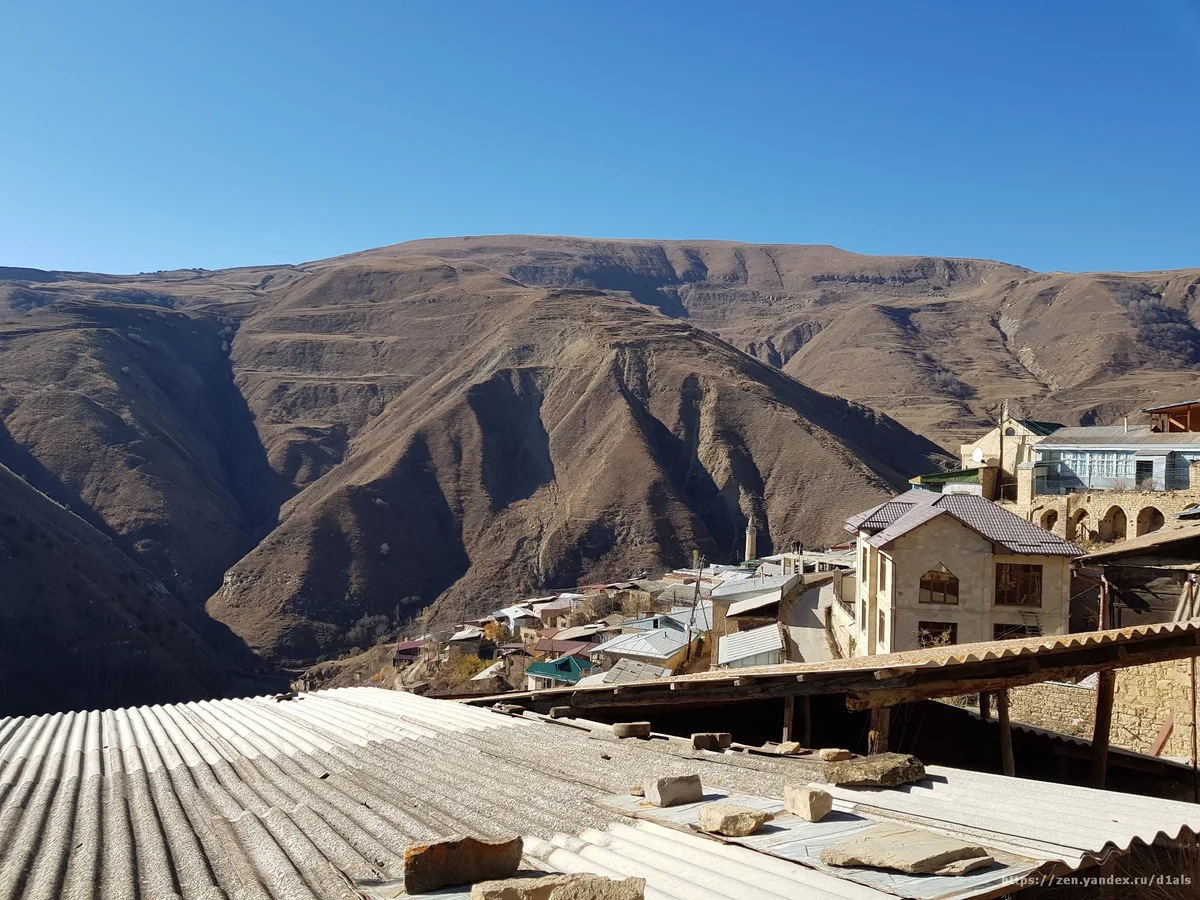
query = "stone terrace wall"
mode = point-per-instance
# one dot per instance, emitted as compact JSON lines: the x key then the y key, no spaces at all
{"x":1068,"y":708}
{"x":1145,"y":697}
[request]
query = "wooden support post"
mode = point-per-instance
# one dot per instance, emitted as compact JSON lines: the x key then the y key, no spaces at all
{"x":985,"y":710}
{"x":1006,"y":752}
{"x":1104,"y":704}
{"x":789,"y":711}
{"x":806,"y":716}
{"x":881,"y":720}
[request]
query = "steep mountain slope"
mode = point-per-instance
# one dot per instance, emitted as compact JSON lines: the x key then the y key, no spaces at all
{"x":81,"y":626}
{"x":492,"y":438}
{"x":936,"y":343}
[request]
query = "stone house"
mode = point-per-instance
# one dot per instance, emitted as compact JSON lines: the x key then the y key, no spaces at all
{"x":955,"y":568}
{"x":1003,"y":449}
{"x":1106,"y":483}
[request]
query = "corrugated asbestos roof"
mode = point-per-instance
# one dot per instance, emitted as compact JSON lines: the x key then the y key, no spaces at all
{"x":1181,"y":531}
{"x":745,"y":644}
{"x":1088,"y":650}
{"x":914,"y":508}
{"x":318,"y":797}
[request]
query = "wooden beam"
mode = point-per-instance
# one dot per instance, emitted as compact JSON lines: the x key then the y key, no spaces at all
{"x":1164,"y":733}
{"x":985,"y":706}
{"x":862,"y":688}
{"x":789,"y":712}
{"x":1104,"y":704}
{"x":881,"y":721}
{"x":1006,"y":752}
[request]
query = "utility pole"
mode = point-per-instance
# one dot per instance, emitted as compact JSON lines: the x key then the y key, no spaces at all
{"x":699,"y":562}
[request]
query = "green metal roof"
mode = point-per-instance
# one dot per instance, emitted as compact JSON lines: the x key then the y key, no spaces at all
{"x":567,"y":668}
{"x":958,"y":476}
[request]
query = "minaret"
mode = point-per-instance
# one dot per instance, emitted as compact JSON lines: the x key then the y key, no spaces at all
{"x":751,"y":540}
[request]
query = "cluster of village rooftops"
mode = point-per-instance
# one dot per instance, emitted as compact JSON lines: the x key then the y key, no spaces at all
{"x":991,"y":551}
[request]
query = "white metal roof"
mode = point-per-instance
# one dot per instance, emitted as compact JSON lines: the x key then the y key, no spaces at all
{"x":755,"y":583}
{"x":745,"y":644}
{"x":750,"y":604}
{"x":661,"y":643}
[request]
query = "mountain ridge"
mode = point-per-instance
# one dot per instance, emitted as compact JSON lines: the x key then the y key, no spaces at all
{"x":318,"y":451}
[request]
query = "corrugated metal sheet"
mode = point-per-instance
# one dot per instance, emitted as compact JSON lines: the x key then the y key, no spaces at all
{"x":957,"y":654}
{"x":745,"y":644}
{"x":1116,"y":437}
{"x":626,"y":671}
{"x":661,"y":643}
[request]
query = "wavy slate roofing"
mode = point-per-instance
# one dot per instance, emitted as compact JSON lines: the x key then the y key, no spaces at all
{"x":317,"y":798}
{"x":914,"y":508}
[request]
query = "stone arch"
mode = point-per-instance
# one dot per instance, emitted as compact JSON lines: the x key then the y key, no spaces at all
{"x":1114,"y":526}
{"x":1077,"y":525}
{"x":1150,"y":519}
{"x":1049,"y":519}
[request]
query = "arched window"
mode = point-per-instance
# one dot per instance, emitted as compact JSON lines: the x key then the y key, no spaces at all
{"x":1049,"y":519}
{"x":939,"y":585}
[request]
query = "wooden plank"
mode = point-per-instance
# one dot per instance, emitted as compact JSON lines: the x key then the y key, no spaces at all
{"x":1164,"y":733}
{"x":881,"y":722}
{"x":1008,"y":767}
{"x":985,"y":706}
{"x":864,"y":691}
{"x":789,"y":712}
{"x":1100,"y":734}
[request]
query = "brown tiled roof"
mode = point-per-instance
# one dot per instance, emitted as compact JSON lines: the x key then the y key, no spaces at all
{"x":914,"y":508}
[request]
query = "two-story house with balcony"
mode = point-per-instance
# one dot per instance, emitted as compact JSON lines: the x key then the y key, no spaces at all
{"x":938,"y":568}
{"x":1112,"y":482}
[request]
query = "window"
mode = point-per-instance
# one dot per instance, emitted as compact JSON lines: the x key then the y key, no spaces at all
{"x":939,"y":585}
{"x":1018,"y":585}
{"x":1002,"y":632}
{"x":937,"y":634}
{"x":882,"y":636}
{"x":863,"y":567}
{"x":883,"y":567}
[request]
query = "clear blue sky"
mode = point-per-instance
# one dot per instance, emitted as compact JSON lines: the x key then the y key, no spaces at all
{"x":1056,"y":135}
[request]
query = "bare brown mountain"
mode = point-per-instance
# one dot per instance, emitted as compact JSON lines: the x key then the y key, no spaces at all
{"x":935,"y":343}
{"x":326,"y":448}
{"x":82,"y":626}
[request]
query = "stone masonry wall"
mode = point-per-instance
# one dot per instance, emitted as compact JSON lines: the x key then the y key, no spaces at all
{"x":1145,"y":697}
